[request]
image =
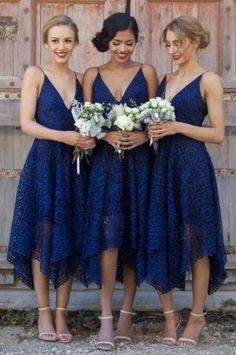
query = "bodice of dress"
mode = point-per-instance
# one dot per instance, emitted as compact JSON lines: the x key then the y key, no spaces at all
{"x":51,"y":111}
{"x":188,"y":102}
{"x":135,"y":94}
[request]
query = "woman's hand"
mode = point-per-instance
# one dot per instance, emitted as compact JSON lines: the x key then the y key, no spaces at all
{"x":114,"y":138}
{"x":75,"y":139}
{"x":131,"y":140}
{"x":159,"y":130}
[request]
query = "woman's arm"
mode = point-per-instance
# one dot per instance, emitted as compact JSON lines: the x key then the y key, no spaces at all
{"x":87,"y":83}
{"x":112,"y":138}
{"x":212,"y":92}
{"x":31,"y":86}
{"x":131,"y":140}
{"x":151,"y":78}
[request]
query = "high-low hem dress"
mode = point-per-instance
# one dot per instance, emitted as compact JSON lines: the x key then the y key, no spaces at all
{"x":184,"y":223}
{"x":49,"y":211}
{"x":118,"y":193}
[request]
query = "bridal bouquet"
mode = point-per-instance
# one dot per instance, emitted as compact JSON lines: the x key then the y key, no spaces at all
{"x":124,"y":118}
{"x":89,"y":122}
{"x":157,"y":110}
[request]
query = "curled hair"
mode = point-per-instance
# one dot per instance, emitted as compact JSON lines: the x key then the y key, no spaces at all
{"x":119,"y":21}
{"x":58,"y":21}
{"x":188,"y":27}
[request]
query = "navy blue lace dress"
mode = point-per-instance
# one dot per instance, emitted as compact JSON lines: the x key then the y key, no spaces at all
{"x":49,"y":209}
{"x":118,"y":193}
{"x":184,"y":213}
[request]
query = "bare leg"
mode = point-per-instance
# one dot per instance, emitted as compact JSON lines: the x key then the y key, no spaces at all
{"x":41,"y":285}
{"x":200,"y":275}
{"x":108,"y":270}
{"x":62,"y":300}
{"x":172,"y":319}
{"x":124,"y":325}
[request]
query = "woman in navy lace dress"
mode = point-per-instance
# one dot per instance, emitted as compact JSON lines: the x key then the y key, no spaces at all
{"x":118,"y":190}
{"x":49,"y":207}
{"x":184,"y":228}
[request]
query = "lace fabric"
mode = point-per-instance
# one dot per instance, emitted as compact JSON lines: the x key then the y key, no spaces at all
{"x":48,"y":219}
{"x":184,"y":222}
{"x":118,"y":194}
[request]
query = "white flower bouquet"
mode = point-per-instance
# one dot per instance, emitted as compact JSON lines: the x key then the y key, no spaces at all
{"x":157,"y":110}
{"x":124,"y":118}
{"x":89,"y":122}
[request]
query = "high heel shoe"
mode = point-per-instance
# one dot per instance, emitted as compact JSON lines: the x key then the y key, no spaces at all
{"x":125,"y":338}
{"x":47,"y":336}
{"x":105,"y":344}
{"x":63,"y":337}
{"x":171,"y":340}
{"x":191,"y":341}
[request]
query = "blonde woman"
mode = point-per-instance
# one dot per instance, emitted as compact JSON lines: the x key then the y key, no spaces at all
{"x":184,"y":229}
{"x":49,"y":210}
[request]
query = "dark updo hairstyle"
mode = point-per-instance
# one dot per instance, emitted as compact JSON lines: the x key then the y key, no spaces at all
{"x":119,"y":21}
{"x":188,"y":27}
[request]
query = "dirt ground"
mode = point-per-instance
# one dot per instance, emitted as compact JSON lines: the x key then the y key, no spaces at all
{"x":18,"y":335}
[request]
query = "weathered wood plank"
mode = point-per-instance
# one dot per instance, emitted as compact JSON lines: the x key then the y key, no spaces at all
{"x":223,"y":188}
{"x":85,"y":54}
{"x":6,"y":209}
{"x":22,"y":144}
{"x":232,"y":186}
{"x":7,"y":53}
{"x":6,"y":148}
{"x":185,"y":8}
{"x":228,"y":39}
{"x":159,"y":18}
{"x":209,"y":10}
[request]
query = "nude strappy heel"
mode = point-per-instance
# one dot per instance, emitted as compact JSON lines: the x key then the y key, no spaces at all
{"x":124,"y":337}
{"x":190,"y":341}
{"x":105,"y":344}
{"x":171,"y":340}
{"x":46,"y":336}
{"x":63,"y":337}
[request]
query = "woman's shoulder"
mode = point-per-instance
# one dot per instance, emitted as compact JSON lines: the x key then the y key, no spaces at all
{"x":211,"y":82}
{"x":90,"y":75}
{"x":211,"y":78}
{"x":34,"y":76}
{"x":33,"y":72}
{"x":148,"y":69}
{"x":79,"y":76}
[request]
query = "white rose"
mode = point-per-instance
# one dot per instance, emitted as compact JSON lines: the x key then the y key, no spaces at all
{"x":135,"y":110}
{"x":119,"y":110}
{"x":144,"y":106}
{"x":128,"y":109}
{"x":124,"y":123}
{"x":153,"y":103}
{"x":161,"y":103}
{"x":158,"y":99}
{"x":98,"y":106}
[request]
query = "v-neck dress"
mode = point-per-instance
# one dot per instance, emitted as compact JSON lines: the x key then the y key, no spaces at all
{"x":184,"y":214}
{"x":48,"y":218}
{"x":118,"y":191}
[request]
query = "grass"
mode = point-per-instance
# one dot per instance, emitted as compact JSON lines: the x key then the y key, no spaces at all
{"x":89,"y":319}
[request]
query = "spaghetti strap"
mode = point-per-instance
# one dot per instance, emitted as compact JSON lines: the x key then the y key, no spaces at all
{"x":41,"y":69}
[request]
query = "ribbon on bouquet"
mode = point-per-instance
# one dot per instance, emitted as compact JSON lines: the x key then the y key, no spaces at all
{"x":78,"y":165}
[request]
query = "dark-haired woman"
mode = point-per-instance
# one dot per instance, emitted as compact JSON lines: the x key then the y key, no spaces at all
{"x":184,"y":229}
{"x":118,"y":190}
